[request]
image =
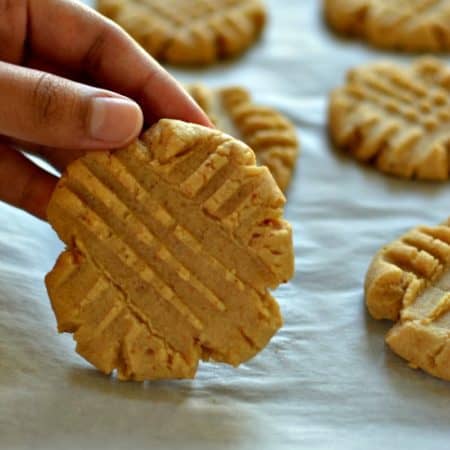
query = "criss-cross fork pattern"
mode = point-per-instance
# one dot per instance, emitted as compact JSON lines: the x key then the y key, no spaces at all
{"x":172,"y":246}
{"x":395,"y":117}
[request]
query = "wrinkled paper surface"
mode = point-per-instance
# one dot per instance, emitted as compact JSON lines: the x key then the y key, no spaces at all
{"x":326,"y":381}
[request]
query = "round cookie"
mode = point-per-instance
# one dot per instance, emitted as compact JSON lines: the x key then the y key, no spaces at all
{"x":395,"y":117}
{"x":271,"y":136}
{"x":189,"y":31}
{"x":409,"y":281}
{"x":408,"y":25}
{"x":172,"y":246}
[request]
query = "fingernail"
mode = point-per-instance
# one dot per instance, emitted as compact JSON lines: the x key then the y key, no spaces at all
{"x":114,"y":120}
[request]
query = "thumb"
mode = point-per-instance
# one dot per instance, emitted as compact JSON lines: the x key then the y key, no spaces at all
{"x":48,"y":110}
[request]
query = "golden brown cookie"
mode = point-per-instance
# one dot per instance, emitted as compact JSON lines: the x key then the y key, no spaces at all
{"x":172,"y":246}
{"x":272,"y":136}
{"x":408,"y":25}
{"x":396,"y":118}
{"x":189,"y":31}
{"x":409,"y":281}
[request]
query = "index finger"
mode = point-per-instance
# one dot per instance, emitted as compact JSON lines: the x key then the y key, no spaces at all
{"x":73,"y":35}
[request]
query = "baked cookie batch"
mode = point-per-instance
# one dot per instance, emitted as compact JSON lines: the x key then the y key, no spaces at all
{"x":397,"y":118}
{"x":174,"y":243}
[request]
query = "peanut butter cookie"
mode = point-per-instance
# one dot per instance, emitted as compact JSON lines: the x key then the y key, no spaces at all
{"x":172,"y":246}
{"x":396,"y":118}
{"x":409,"y":25}
{"x":189,"y":31}
{"x":409,"y":281}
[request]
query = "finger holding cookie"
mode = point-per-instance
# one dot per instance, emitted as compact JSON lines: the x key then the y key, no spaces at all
{"x":72,"y":80}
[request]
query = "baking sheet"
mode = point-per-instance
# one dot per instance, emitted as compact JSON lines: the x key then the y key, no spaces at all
{"x":326,"y":381}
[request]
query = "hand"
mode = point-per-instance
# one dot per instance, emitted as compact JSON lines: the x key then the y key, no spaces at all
{"x":48,"y":48}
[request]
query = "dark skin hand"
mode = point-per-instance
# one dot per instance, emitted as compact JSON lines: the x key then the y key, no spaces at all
{"x":72,"y":81}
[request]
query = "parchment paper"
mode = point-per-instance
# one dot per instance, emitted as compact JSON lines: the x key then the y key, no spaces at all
{"x":326,"y":381}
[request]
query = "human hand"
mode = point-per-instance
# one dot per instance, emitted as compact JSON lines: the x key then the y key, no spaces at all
{"x":48,"y":49}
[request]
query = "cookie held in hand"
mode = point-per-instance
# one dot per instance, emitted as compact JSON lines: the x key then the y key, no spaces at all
{"x":271,"y":136}
{"x":189,"y":31}
{"x":396,"y":118}
{"x":409,"y":281}
{"x":172,"y":246}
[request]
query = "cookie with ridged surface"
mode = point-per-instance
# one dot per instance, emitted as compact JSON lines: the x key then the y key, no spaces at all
{"x":408,"y":25}
{"x":271,"y":135}
{"x":172,"y":246}
{"x":396,"y":118}
{"x":409,"y":281}
{"x":189,"y":31}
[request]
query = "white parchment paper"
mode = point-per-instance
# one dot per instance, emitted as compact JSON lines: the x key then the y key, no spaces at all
{"x":326,"y":381}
